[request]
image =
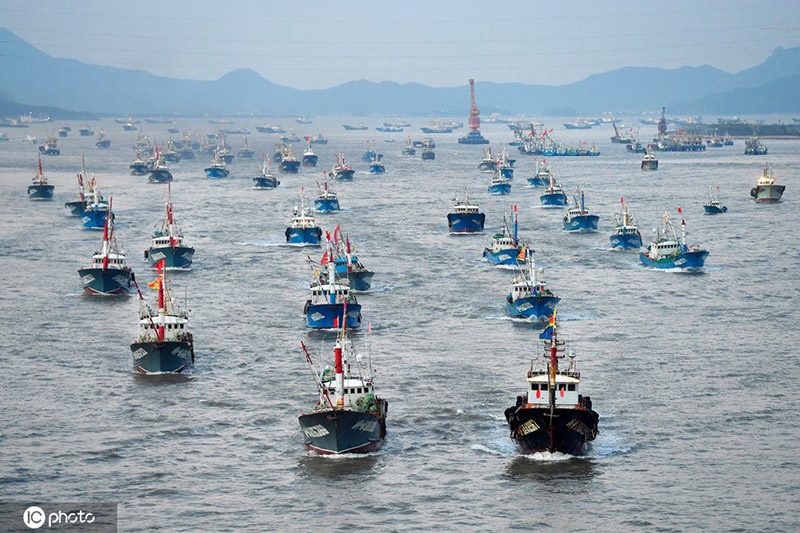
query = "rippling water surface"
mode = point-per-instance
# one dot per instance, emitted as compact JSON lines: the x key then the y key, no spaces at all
{"x":694,"y":375}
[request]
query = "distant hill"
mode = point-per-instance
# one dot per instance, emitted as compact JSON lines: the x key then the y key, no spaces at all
{"x":36,"y":78}
{"x":12,"y":109}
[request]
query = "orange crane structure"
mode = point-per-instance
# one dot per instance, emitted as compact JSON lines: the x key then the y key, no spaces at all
{"x":474,"y":136}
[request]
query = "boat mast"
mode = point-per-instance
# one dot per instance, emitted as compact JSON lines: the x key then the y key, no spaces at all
{"x":107,"y":234}
{"x":515,"y":225}
{"x":169,"y":215}
{"x":161,"y":307}
{"x":337,"y":352}
{"x":553,"y":370}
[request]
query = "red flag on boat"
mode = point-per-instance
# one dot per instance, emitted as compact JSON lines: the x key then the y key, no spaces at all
{"x":336,"y":322}
{"x":680,"y":210}
{"x":538,"y":393}
{"x":325,"y":259}
{"x":622,"y":200}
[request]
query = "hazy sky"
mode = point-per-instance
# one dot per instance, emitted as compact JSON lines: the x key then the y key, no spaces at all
{"x":318,"y":44}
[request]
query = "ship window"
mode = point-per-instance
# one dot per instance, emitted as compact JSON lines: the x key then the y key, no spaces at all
{"x":571,"y":386}
{"x":543,"y":386}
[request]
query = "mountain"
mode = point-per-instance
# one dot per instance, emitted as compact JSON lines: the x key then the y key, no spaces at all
{"x":36,"y":78}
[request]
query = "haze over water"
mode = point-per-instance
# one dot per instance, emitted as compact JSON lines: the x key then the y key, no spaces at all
{"x":694,"y":375}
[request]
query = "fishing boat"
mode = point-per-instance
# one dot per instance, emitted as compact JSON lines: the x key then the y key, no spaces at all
{"x":159,"y":171}
{"x":63,"y":132}
{"x":529,"y":297}
{"x":342,"y":172}
{"x":50,"y":147}
{"x":270,"y":128}
{"x":376,"y":166}
{"x":370,"y":153}
{"x":278,"y":150}
{"x":224,"y":152}
{"x":466,"y":217}
{"x":622,"y":138}
{"x":309,"y":157}
{"x":347,"y":264}
{"x":168,"y":244}
{"x":291,"y":138}
{"x":348,"y":417}
{"x":487,"y":163}
{"x":319,"y":139}
{"x":505,"y":165}
{"x":171,"y":155}
{"x":767,"y":188}
{"x":165,"y":344}
{"x":669,"y":250}
{"x":85,"y":131}
{"x":649,"y":161}
{"x":541,"y":177}
{"x":77,"y":207}
{"x":754,"y":146}
{"x":108,"y":273}
{"x":303,"y":120}
{"x":427,"y":152}
{"x":552,"y":416}
{"x":636,"y":147}
{"x":408,"y":148}
{"x":217,"y":169}
{"x":173,"y":129}
{"x":554,"y":195}
{"x":498,"y":184}
{"x":97,"y":209}
{"x":505,"y":248}
{"x":186,"y":151}
{"x":626,"y":232}
{"x":267,"y":179}
{"x":289,"y":163}
{"x":389,"y":129}
{"x":303,"y":230}
{"x":326,"y":201}
{"x":714,"y":206}
{"x":39,"y":189}
{"x":329,"y":295}
{"x":578,"y":218}
{"x":102,"y":140}
{"x":355,"y":127}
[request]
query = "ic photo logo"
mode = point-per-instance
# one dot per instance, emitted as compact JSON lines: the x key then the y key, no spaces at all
{"x":34,"y":517}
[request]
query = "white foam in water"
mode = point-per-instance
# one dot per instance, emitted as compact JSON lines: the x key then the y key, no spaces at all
{"x":485,"y":449}
{"x":547,"y":456}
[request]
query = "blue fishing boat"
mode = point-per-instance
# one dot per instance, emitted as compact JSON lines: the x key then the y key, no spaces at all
{"x":108,"y":273}
{"x":326,"y":201}
{"x":626,"y":232}
{"x":309,"y":157}
{"x":217,"y":169}
{"x":669,"y":250}
{"x":96,"y":211}
{"x":224,"y":153}
{"x":302,"y":229}
{"x":553,"y":196}
{"x":714,"y":206}
{"x":427,"y":152}
{"x":408,"y":148}
{"x":139,"y":165}
{"x":289,"y":163}
{"x":529,"y":297}
{"x":159,"y":171}
{"x":168,"y":244}
{"x":578,"y":218}
{"x":347,"y":264}
{"x":164,"y":345}
{"x":371,"y":153}
{"x":498,"y":184}
{"x":342,"y":172}
{"x":77,"y":207}
{"x":277,"y":154}
{"x":376,"y":166}
{"x":39,"y":189}
{"x":63,"y":132}
{"x":754,"y":146}
{"x":505,"y":165}
{"x":488,"y":163}
{"x":506,"y":248}
{"x":267,"y":179}
{"x":329,"y":294}
{"x":348,"y":416}
{"x":466,"y":217}
{"x":102,"y":140}
{"x":245,"y":152}
{"x":85,"y":131}
{"x":50,"y":147}
{"x":541,"y":177}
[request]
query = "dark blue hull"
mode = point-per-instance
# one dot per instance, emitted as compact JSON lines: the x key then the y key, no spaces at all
{"x":265,"y":183}
{"x":507,"y":173}
{"x":227,"y":158}
{"x":41,"y":192}
{"x":289,"y":167}
{"x":458,"y":223}
{"x":626,"y":241}
{"x":715,"y":209}
{"x":310,"y":160}
{"x":162,"y":357}
{"x":323,"y":315}
{"x":160,"y":176}
{"x":174,"y":257}
{"x":557,"y":199}
{"x":359,"y":281}
{"x":509,"y":256}
{"x":693,"y":259}
{"x":536,"y":181}
{"x":326,"y":206}
{"x":103,"y":144}
{"x":94,"y":218}
{"x":76,"y":208}
{"x":49,"y":151}
{"x":532,"y":307}
{"x":342,"y":431}
{"x":108,"y":281}
{"x":428,"y":156}
{"x":344,"y":175}
{"x":216,"y":173}
{"x":377,"y":169}
{"x":498,"y":189}
{"x":472,"y":138}
{"x":581,"y":223}
{"x":571,"y":429}
{"x":139,"y":169}
{"x":309,"y":236}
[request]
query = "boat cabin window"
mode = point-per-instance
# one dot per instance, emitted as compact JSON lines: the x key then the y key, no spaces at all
{"x":543,"y":386}
{"x":571,"y":387}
